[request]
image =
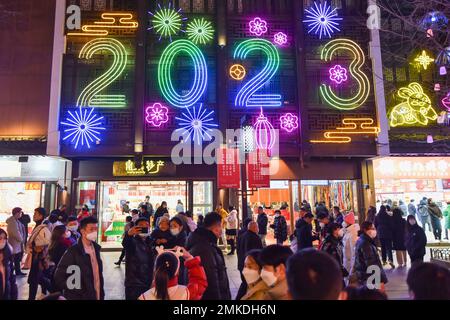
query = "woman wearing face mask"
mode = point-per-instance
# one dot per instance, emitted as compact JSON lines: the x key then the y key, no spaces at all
{"x":366,"y":255}
{"x":415,"y":240}
{"x":8,"y":286}
{"x":59,"y":243}
{"x":333,"y":245}
{"x":178,"y":240}
{"x":72,"y":226}
{"x":162,"y":236}
{"x":256,"y":287}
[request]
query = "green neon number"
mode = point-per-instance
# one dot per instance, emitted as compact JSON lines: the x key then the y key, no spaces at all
{"x":165,"y":76}
{"x":90,"y":96}
{"x":355,"y":71}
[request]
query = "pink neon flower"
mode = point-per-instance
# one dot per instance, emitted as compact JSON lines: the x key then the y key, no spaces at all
{"x":446,"y":101}
{"x":338,"y":74}
{"x":258,"y":27}
{"x":280,"y":38}
{"x":289,"y":122}
{"x":156,"y":114}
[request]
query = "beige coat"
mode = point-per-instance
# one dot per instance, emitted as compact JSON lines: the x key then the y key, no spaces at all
{"x":256,"y":291}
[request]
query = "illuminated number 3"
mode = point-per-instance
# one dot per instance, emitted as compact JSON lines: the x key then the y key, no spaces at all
{"x":355,"y":71}
{"x":90,"y":95}
{"x":165,"y":77}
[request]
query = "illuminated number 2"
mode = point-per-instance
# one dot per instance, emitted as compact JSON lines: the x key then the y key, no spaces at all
{"x":90,"y":96}
{"x":355,"y":71}
{"x":165,"y":77}
{"x":247,"y":96}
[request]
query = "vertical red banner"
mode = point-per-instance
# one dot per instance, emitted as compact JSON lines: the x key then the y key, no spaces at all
{"x":228,"y":168}
{"x":258,"y":168}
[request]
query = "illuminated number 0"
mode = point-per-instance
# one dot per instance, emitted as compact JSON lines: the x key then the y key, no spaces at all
{"x":247,"y":96}
{"x":90,"y":95}
{"x":355,"y":70}
{"x":165,"y":77}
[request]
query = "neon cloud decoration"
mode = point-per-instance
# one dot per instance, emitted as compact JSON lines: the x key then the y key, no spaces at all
{"x":338,"y":74}
{"x":280,"y":38}
{"x":289,"y":122}
{"x":258,"y":27}
{"x":424,"y":60}
{"x":196,"y":125}
{"x":110,"y":21}
{"x":322,"y":19}
{"x":83,"y":127}
{"x":167,"y":22}
{"x":156,"y":115}
{"x":415,"y":110}
{"x":200,"y":31}
{"x":351,"y":127}
{"x":264,"y":132}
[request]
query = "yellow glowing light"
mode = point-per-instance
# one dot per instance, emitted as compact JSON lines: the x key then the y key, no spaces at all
{"x":111,"y":20}
{"x":153,"y":167}
{"x":150,"y":167}
{"x":424,"y":60}
{"x":237,"y":72}
{"x":416,"y":109}
{"x":353,"y":126}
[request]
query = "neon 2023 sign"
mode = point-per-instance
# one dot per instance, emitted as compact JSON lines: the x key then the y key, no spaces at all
{"x":247,"y":96}
{"x":90,"y":96}
{"x":200,"y":74}
{"x":354,"y":71}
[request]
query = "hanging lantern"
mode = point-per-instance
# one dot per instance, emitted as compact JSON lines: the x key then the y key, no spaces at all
{"x":437,"y":87}
{"x":442,"y":71}
{"x":264,"y":133}
{"x":430,"y":138}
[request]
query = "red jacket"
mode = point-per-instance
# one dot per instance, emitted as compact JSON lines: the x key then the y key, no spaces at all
{"x":197,"y":278}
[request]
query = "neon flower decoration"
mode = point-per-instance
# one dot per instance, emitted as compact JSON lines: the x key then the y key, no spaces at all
{"x":258,"y":27}
{"x":200,"y":31}
{"x":415,"y":110}
{"x":84,"y":127}
{"x":289,"y":122}
{"x":196,"y":125}
{"x":424,"y":60}
{"x":322,"y":20}
{"x":338,"y":74}
{"x":280,"y":38}
{"x":156,"y":115}
{"x":166,"y":22}
{"x":446,"y":101}
{"x":434,"y":20}
{"x":264,"y":133}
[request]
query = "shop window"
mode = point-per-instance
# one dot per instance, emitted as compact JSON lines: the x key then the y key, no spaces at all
{"x":203,"y":197}
{"x":87,"y":195}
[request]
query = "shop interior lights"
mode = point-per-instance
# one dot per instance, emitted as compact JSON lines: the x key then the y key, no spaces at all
{"x":424,"y":60}
{"x":167,"y":22}
{"x":90,"y":96}
{"x":352,"y":126}
{"x":264,"y":133}
{"x":156,"y":115}
{"x":355,"y":71}
{"x":83,"y":127}
{"x":289,"y":122}
{"x":111,"y":20}
{"x":200,"y":31}
{"x":196,"y":125}
{"x":322,"y":19}
{"x":258,"y":27}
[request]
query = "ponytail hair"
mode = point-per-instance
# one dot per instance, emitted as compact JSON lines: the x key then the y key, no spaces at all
{"x":166,"y":268}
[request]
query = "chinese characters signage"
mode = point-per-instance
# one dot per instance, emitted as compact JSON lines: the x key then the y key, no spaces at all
{"x":228,"y":168}
{"x":148,"y":168}
{"x":412,"y":168}
{"x":258,"y":168}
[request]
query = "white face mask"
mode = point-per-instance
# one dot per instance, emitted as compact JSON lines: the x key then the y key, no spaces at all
{"x":92,"y":236}
{"x":73,"y":228}
{"x":2,"y":244}
{"x":321,"y":224}
{"x":268,"y":277}
{"x":135,"y":217}
{"x":67,"y":234}
{"x":372,"y":234}
{"x":250,"y":275}
{"x":175,"y":231}
{"x":144,"y":235}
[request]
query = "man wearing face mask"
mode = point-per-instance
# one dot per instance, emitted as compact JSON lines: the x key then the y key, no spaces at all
{"x":72,"y":226}
{"x":324,"y":219}
{"x":333,"y":245}
{"x":86,"y":256}
{"x":366,"y":255}
{"x":203,"y":243}
{"x":274,"y":258}
{"x":415,"y":240}
{"x":139,"y":259}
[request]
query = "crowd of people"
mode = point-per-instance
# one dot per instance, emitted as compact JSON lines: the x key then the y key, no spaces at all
{"x":329,"y":256}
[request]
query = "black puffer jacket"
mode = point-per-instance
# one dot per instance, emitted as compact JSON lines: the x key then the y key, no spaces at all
{"x":385,"y":225}
{"x":334,"y":247}
{"x":280,"y":228}
{"x":76,"y":256}
{"x":366,"y":255}
{"x":262,"y":221}
{"x":203,"y":243}
{"x":415,"y":241}
{"x":139,"y":262}
{"x":10,"y":292}
{"x":399,"y":233}
{"x":303,"y":232}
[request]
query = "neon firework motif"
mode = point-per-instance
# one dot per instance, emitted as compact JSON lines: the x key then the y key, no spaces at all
{"x":156,"y":115}
{"x":110,"y":21}
{"x":352,"y":127}
{"x":338,"y":74}
{"x":289,"y":122}
{"x":200,"y":74}
{"x":247,"y":96}
{"x":424,"y":60}
{"x":196,"y":125}
{"x":322,"y":20}
{"x":415,"y":110}
{"x":443,"y":58}
{"x":265,"y":135}
{"x":258,"y":27}
{"x":84,"y":127}
{"x":328,"y":51}
{"x":200,"y":31}
{"x":446,"y":101}
{"x":280,"y":38}
{"x":90,"y":96}
{"x":166,"y":22}
{"x":237,"y":72}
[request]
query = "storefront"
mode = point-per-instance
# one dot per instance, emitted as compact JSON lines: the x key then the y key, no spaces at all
{"x":106,"y":185}
{"x":31,"y":182}
{"x":406,"y":178}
